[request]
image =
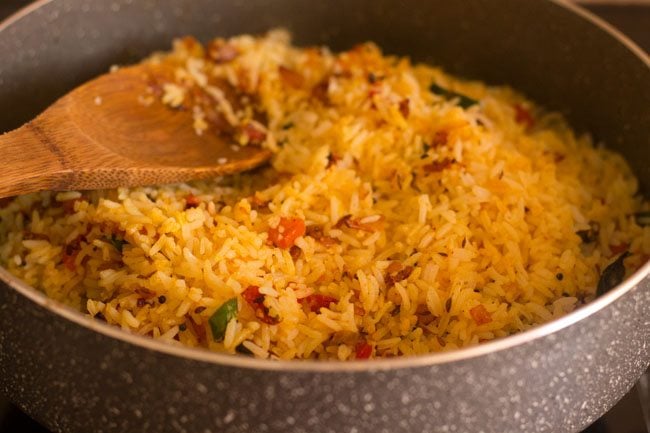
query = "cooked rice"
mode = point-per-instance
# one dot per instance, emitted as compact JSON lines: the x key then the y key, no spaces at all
{"x":429,"y":226}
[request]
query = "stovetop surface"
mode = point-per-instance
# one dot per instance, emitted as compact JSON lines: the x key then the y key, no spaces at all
{"x":633,"y":18}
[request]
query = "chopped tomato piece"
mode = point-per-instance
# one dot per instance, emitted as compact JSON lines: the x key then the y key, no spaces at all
{"x":290,"y":77}
{"x":286,"y":233}
{"x":404,"y":108}
{"x":440,"y":138}
{"x":254,"y":134}
{"x":70,"y":252}
{"x":69,"y":259}
{"x":394,"y":267}
{"x":221,"y":52}
{"x":618,"y":249}
{"x":252,"y":295}
{"x":255,"y":299}
{"x":68,"y":205}
{"x":192,"y":201}
{"x":317,"y":301}
{"x":523,"y":116}
{"x":199,"y":330}
{"x":438,"y":166}
{"x":363,"y":350}
{"x":320,"y":90}
{"x":480,"y":315}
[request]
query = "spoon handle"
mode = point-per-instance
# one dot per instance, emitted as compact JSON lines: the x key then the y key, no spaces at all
{"x":29,"y":162}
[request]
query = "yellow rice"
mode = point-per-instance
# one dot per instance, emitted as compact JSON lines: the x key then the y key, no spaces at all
{"x":480,"y":204}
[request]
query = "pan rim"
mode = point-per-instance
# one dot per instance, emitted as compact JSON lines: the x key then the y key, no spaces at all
{"x":429,"y":360}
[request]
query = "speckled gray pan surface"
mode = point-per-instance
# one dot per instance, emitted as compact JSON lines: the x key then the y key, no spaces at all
{"x":76,"y":377}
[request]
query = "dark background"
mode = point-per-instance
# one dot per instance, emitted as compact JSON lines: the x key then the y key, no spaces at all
{"x":633,"y":19}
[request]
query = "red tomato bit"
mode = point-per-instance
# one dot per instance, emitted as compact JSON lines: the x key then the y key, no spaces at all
{"x":70,"y":252}
{"x":480,"y":315}
{"x":523,"y":116}
{"x":438,"y":166}
{"x":618,"y":249}
{"x":320,"y":91}
{"x":221,"y":52}
{"x":363,"y":350}
{"x":68,"y":205}
{"x":440,"y":138}
{"x":253,"y":133}
{"x":192,"y":201}
{"x":255,"y":299}
{"x":290,"y":77}
{"x":286,"y":233}
{"x":317,"y":301}
{"x":69,"y":257}
{"x":404,"y":108}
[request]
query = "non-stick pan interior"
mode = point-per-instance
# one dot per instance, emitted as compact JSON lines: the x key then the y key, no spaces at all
{"x":555,"y":56}
{"x":540,"y":47}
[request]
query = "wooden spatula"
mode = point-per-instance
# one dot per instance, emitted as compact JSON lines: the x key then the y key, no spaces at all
{"x":101,"y":135}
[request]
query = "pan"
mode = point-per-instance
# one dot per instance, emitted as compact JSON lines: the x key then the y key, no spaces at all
{"x":74,"y":374}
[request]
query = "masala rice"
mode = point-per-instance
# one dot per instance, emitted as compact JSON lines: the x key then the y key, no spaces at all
{"x":396,"y":218}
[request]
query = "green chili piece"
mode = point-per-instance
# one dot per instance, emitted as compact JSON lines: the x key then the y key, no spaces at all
{"x":219,"y":320}
{"x":463,"y":101}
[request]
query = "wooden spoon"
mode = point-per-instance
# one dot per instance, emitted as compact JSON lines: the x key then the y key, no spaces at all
{"x":101,"y":135}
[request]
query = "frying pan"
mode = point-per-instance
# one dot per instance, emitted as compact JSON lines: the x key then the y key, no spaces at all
{"x":78,"y":375}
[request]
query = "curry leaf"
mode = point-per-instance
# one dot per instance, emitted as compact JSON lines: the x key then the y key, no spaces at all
{"x":463,"y":101}
{"x":613,"y":275}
